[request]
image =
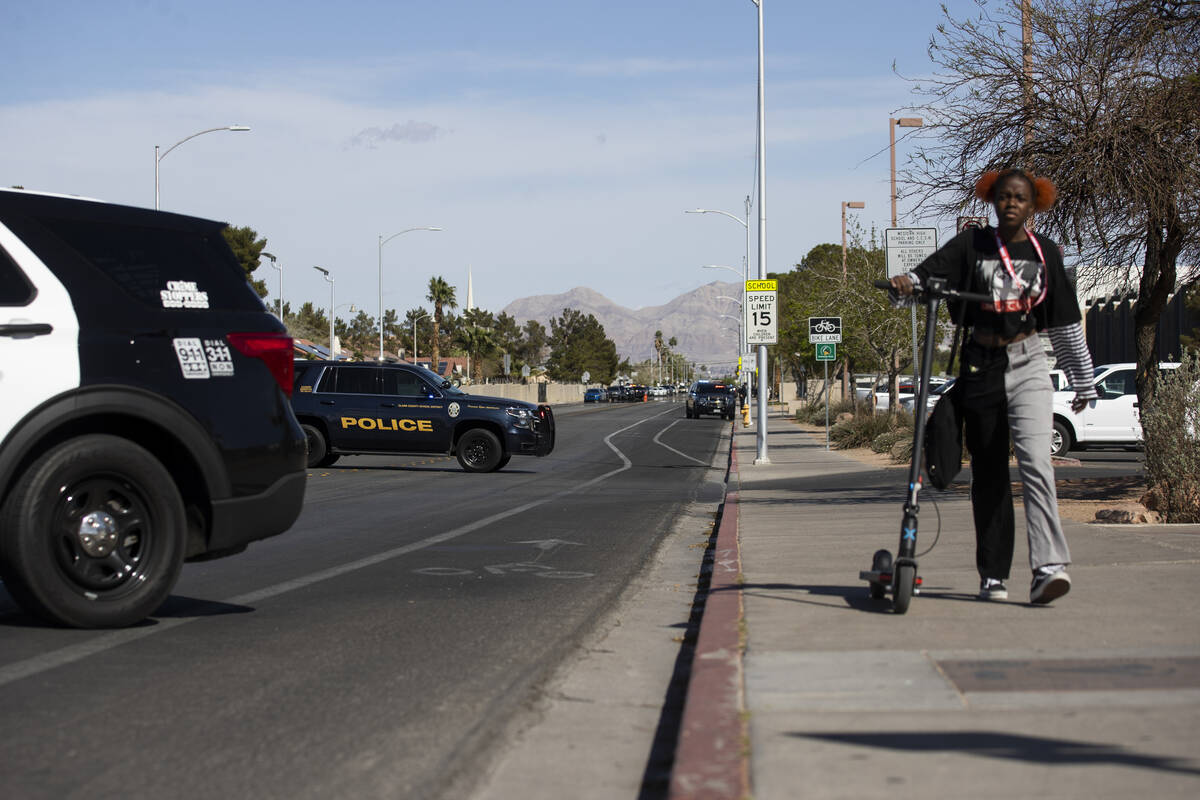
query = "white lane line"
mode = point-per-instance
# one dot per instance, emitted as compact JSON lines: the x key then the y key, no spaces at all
{"x":107,"y":641}
{"x":672,"y":449}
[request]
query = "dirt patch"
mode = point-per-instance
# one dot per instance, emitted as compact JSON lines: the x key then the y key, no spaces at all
{"x":1078,"y":499}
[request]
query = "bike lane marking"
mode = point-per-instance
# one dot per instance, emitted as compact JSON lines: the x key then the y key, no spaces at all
{"x":66,"y":655}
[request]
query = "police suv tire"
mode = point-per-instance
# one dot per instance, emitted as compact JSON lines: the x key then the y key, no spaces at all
{"x":125,"y":500}
{"x":504,"y":461}
{"x":330,"y":458}
{"x":318,"y":448}
{"x":479,"y":451}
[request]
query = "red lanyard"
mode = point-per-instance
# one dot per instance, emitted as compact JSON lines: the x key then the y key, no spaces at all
{"x":1008,"y":267}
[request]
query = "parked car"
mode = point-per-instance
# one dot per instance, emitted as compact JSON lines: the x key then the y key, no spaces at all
{"x":144,"y":416}
{"x":594,"y":395}
{"x":615,"y":393}
{"x":1111,"y":420}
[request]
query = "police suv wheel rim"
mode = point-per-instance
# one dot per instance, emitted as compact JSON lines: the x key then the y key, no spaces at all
{"x":477,"y":450}
{"x":102,"y":534}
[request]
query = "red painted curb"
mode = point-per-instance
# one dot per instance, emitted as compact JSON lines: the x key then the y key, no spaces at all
{"x":710,"y":758}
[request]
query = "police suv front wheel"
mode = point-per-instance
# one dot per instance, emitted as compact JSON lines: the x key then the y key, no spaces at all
{"x":93,"y":534}
{"x":479,"y":451}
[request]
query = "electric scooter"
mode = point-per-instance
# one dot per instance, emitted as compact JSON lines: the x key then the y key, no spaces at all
{"x":900,"y":575}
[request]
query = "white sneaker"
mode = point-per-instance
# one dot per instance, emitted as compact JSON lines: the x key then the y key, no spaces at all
{"x":992,"y":589}
{"x":1049,"y":583}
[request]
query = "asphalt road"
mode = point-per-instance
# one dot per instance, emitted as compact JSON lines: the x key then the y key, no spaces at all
{"x":375,"y":650}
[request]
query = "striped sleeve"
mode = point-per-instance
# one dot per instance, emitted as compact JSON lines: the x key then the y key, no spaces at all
{"x":1072,"y":357}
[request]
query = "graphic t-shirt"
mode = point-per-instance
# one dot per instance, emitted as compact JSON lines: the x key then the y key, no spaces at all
{"x":1034,"y":296}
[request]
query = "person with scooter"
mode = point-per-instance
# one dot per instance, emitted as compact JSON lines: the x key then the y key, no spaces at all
{"x":1005,"y":388}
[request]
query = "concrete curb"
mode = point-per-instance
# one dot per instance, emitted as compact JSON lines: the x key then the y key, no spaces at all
{"x":711,"y":758}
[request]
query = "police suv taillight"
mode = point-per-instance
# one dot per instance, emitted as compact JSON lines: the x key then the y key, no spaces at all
{"x":275,"y":349}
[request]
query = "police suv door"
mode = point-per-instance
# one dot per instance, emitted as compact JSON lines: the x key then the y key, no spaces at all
{"x":349,"y":394}
{"x":419,"y":410}
{"x":39,"y":333}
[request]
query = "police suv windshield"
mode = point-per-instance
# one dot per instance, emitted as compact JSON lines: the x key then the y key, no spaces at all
{"x":438,"y":381}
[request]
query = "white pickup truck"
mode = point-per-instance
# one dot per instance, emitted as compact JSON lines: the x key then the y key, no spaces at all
{"x":1112,"y":420}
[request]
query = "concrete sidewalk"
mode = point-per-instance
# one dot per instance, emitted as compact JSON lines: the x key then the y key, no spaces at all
{"x":1094,"y":696}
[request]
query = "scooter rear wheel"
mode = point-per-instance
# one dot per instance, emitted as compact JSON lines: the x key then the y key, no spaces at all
{"x":902,"y":587}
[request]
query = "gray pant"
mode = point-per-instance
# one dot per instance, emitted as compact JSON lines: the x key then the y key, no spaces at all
{"x":1020,"y":407}
{"x":1031,"y":423}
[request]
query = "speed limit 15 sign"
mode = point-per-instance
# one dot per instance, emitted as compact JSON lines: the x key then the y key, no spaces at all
{"x":761,"y":323}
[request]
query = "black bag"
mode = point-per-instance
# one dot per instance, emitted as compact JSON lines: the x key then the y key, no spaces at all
{"x":944,"y":439}
{"x":943,"y":442}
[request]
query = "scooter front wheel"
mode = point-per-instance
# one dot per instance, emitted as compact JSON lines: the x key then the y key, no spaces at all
{"x":903,"y":581}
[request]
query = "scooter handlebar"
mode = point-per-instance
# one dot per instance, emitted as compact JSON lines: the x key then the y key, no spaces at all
{"x":941,"y":293}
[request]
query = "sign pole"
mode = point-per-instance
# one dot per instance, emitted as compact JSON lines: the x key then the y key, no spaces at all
{"x":826,"y":405}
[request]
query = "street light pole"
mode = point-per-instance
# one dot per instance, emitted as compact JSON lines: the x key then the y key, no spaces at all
{"x":904,"y":122}
{"x":845,"y":205}
{"x":382,"y":242}
{"x":158,"y":158}
{"x":415,"y":320}
{"x":280,"y":268}
{"x":761,"y":437}
{"x":325,"y":272}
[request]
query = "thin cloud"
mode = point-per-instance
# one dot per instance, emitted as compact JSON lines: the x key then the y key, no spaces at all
{"x":411,"y":132}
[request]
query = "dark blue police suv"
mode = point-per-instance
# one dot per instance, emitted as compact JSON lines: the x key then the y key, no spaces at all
{"x":358,"y":408}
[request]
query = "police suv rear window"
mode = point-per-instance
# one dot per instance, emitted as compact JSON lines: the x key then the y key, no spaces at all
{"x":15,"y":289}
{"x":163,"y":267}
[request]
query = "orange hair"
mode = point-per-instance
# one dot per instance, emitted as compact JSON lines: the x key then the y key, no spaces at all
{"x":1044,"y":190}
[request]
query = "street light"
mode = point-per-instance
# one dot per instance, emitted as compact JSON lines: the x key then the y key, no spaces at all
{"x":382,"y":242}
{"x":846,"y":205}
{"x":746,"y":258}
{"x":280,"y":268}
{"x":421,"y":316}
{"x":325,"y":272}
{"x":158,"y":158}
{"x":731,"y":299}
{"x":904,"y":122}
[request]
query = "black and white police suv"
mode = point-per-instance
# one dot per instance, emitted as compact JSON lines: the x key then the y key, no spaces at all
{"x":347,"y":408}
{"x":144,"y":418}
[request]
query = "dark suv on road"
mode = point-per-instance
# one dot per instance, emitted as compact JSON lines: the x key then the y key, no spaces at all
{"x":711,"y":397}
{"x":144,"y":417}
{"x":347,"y":408}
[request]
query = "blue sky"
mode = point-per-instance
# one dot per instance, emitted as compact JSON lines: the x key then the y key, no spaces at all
{"x":557,"y":144}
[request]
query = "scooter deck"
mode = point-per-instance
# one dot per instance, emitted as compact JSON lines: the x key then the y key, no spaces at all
{"x":884,"y":578}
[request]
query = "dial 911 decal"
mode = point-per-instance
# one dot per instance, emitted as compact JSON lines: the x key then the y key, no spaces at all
{"x":203,"y":359}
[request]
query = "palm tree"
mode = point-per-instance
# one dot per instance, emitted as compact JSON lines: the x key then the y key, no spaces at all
{"x":479,"y":343}
{"x":441,"y":294}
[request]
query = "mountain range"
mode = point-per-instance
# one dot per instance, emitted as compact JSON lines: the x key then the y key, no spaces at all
{"x":702,"y":335}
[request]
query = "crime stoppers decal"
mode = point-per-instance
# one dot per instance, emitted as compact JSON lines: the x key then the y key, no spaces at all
{"x":183,"y":294}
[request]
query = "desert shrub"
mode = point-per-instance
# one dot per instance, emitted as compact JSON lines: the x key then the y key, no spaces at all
{"x":814,"y":413}
{"x":901,"y":451}
{"x":884,"y":441}
{"x":1171,"y":430}
{"x":864,"y":427}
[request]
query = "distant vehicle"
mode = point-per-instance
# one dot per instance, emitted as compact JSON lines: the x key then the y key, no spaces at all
{"x":635,"y":393}
{"x":144,"y":418}
{"x":711,"y":397}
{"x":347,"y":408}
{"x":615,"y":393}
{"x":1111,"y":420}
{"x":594,"y":395}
